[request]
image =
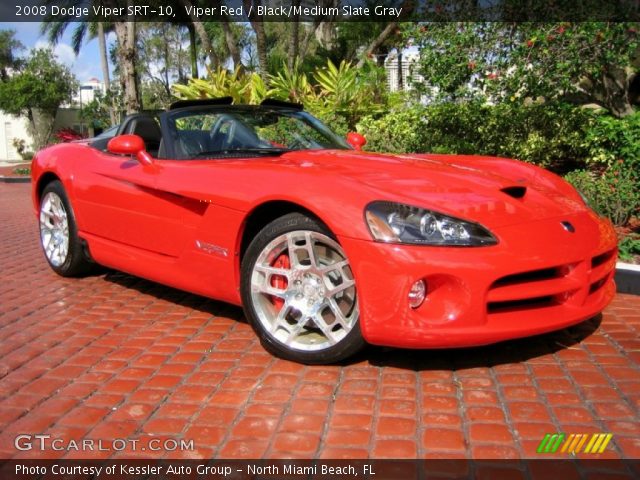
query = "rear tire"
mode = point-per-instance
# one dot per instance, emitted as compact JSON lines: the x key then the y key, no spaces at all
{"x":299,"y":293}
{"x":63,"y":249}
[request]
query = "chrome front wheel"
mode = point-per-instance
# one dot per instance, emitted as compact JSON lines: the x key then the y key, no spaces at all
{"x":301,"y":292}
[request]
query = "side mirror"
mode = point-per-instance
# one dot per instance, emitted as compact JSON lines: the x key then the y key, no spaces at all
{"x":356,"y":140}
{"x":130,"y":145}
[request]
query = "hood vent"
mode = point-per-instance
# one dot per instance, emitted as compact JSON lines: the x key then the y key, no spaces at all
{"x":515,"y":192}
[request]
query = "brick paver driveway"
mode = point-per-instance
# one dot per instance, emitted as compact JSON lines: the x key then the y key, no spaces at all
{"x":113,"y":356}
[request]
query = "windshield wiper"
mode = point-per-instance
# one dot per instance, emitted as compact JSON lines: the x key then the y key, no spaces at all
{"x":234,"y":151}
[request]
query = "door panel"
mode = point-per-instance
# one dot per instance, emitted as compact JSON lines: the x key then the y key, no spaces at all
{"x":119,"y":201}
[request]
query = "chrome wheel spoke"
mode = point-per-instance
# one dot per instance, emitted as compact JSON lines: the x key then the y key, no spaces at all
{"x":293,"y":256}
{"x":50,"y":216}
{"x":294,"y":331}
{"x":338,"y":266}
{"x":337,"y":312}
{"x":268,"y":290}
{"x":327,"y":330}
{"x":279,"y":321}
{"x":309,"y":247}
{"x":346,"y":284}
{"x":270,"y":271}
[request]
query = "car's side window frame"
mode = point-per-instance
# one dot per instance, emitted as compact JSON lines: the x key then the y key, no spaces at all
{"x":169,"y":138}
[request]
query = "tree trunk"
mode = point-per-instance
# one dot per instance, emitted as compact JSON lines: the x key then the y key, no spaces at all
{"x":126,"y":33}
{"x":261,"y":38}
{"x":232,"y":45}
{"x":318,"y":23}
{"x":193,"y":51}
{"x":106,"y":78}
{"x":307,"y":38}
{"x":611,"y":91}
{"x":41,"y":127}
{"x":202,"y":35}
{"x":166,"y":83}
{"x":616,"y":93}
{"x":377,"y":42}
{"x":294,"y":40}
{"x":326,"y":35}
{"x":400,"y":79}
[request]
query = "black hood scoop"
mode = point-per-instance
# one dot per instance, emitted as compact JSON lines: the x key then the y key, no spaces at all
{"x":515,"y":191}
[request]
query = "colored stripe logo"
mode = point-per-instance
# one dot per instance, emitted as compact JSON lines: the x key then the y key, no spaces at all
{"x":574,"y":443}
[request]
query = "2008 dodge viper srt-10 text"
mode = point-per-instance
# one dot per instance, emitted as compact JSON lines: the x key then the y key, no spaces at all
{"x":326,"y":246}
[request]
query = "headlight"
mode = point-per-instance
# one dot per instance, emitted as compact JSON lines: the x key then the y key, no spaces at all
{"x":399,"y":223}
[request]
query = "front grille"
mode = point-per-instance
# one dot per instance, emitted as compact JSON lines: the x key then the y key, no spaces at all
{"x":602,"y":258}
{"x":552,"y":286}
{"x":532,"y":276}
{"x":531,"y":289}
{"x":527,"y":304}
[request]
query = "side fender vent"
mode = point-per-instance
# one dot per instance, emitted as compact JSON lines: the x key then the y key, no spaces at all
{"x":515,"y":192}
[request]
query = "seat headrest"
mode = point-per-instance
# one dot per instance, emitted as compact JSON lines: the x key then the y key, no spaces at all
{"x":147,"y":128}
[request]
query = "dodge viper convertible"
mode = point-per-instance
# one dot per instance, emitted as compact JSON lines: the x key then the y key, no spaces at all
{"x":326,"y":246}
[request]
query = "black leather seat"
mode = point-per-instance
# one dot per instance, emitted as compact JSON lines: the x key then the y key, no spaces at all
{"x":148,"y":129}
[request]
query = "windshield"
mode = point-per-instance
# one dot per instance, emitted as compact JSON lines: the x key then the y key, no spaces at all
{"x":250,"y":131}
{"x":108,"y":133}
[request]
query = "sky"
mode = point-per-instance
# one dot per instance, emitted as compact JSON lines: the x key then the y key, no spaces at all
{"x":85,"y":66}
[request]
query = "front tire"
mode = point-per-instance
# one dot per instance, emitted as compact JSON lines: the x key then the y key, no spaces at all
{"x":299,"y":293}
{"x":59,"y":239}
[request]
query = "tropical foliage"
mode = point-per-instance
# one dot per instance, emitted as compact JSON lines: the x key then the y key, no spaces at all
{"x":340,"y":94}
{"x":36,"y":92}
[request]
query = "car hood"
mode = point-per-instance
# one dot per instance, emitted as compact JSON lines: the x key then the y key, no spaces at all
{"x":490,"y":190}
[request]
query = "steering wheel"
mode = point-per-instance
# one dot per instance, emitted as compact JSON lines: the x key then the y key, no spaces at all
{"x":220,"y":140}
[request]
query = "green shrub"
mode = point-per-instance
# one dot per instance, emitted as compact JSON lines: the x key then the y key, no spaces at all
{"x":547,"y":135}
{"x":398,"y":132}
{"x":613,"y":193}
{"x":629,"y":248}
{"x":610,"y":139}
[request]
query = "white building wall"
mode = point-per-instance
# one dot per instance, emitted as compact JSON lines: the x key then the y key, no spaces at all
{"x":12,"y":127}
{"x":18,"y":127}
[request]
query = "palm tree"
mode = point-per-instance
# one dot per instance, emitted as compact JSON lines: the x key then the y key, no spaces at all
{"x":261,"y":37}
{"x":125,"y":35}
{"x":84,"y":31}
{"x":193,"y":49}
{"x":201,"y":32}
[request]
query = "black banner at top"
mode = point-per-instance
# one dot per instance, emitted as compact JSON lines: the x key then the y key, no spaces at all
{"x":319,"y":10}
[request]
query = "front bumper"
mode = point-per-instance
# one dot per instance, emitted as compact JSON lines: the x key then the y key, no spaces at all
{"x":539,"y":278}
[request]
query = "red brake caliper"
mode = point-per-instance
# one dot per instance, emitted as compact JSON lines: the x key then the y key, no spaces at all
{"x":278,"y":281}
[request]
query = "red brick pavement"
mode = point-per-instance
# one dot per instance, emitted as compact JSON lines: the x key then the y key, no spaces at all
{"x":113,"y":356}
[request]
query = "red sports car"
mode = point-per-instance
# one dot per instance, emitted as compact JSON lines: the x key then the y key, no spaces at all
{"x":324,"y":245}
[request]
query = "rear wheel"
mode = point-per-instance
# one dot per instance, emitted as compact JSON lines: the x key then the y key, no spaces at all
{"x":61,"y":245}
{"x":299,"y":292}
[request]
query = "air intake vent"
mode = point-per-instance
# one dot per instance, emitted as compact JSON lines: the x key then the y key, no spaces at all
{"x":515,"y":192}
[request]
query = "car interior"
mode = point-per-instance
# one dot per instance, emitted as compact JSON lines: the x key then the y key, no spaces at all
{"x":148,"y":129}
{"x":144,"y":125}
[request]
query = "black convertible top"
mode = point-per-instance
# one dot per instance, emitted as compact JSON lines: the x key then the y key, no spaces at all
{"x":201,"y":102}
